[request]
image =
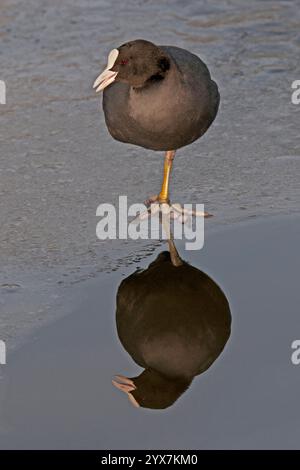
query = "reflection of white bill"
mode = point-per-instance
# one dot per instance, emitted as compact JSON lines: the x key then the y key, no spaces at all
{"x":2,"y":92}
{"x":2,"y":352}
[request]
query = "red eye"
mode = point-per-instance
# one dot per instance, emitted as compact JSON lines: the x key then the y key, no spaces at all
{"x":124,"y":61}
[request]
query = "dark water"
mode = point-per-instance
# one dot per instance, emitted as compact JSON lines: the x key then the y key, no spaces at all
{"x":57,"y":391}
{"x":57,"y":161}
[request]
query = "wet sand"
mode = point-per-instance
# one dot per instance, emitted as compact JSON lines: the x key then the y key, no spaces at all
{"x":57,"y":391}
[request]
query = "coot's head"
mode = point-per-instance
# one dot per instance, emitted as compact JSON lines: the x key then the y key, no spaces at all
{"x":151,"y":389}
{"x":137,"y":63}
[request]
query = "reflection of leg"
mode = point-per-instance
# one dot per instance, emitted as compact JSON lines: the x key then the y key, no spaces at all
{"x":175,"y":258}
{"x":165,"y":220}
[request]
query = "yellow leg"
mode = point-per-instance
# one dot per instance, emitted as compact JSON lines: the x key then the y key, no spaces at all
{"x":164,"y":193}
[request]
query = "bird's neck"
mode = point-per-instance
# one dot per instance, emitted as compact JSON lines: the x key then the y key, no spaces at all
{"x":157,"y":80}
{"x":154,"y":381}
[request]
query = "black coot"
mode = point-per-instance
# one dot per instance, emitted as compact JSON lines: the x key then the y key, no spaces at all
{"x":157,"y":97}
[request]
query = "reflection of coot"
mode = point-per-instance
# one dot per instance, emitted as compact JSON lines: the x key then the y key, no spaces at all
{"x":174,"y":321}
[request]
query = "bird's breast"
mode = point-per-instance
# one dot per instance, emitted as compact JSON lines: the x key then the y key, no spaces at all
{"x":164,"y":116}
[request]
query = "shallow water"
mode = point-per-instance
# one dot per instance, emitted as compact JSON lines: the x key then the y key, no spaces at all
{"x":60,"y":382}
{"x":58,"y":162}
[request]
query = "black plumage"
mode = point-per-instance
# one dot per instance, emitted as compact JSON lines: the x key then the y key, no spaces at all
{"x":157,"y":97}
{"x":174,"y":321}
{"x":163,"y":97}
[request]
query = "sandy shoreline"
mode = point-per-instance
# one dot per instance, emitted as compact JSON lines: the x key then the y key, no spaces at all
{"x":56,"y":391}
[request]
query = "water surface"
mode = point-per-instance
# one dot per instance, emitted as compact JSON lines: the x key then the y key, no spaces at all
{"x":58,"y":162}
{"x":60,"y":382}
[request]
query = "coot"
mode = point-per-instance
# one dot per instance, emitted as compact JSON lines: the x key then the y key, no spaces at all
{"x":157,"y":97}
{"x":174,"y":321}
